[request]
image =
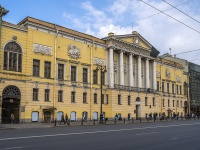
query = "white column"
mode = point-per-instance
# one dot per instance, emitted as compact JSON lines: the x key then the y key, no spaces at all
{"x":139,"y":72}
{"x":130,"y":70}
{"x":111,"y":68}
{"x":121,"y":65}
{"x":154,"y":75}
{"x":147,"y":72}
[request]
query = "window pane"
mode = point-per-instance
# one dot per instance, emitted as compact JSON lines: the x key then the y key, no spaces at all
{"x":73,"y":73}
{"x":85,"y":75}
{"x":60,"y":71}
{"x":47,"y":69}
{"x":36,"y":67}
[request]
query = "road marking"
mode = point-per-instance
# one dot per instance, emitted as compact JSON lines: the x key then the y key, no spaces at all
{"x":177,"y":138}
{"x":146,"y":133}
{"x":93,"y":132}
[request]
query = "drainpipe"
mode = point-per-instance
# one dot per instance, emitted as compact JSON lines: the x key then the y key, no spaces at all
{"x":55,"y":68}
{"x":91,"y":77}
{"x":3,"y":12}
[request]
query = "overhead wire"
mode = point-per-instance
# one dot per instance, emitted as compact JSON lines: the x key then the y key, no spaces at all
{"x":170,"y":16}
{"x":181,"y":11}
{"x":131,"y":23}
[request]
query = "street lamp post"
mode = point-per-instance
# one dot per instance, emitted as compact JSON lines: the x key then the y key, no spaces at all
{"x":102,"y":70}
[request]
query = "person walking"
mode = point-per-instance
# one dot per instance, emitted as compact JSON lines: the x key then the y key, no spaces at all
{"x":66,"y":119}
{"x":12,"y":118}
{"x":62,"y":119}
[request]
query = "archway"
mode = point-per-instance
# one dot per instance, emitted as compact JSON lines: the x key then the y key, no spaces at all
{"x":11,"y":101}
{"x":138,"y":108}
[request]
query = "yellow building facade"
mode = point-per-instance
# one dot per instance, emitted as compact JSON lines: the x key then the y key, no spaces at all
{"x":47,"y":70}
{"x":171,"y":81}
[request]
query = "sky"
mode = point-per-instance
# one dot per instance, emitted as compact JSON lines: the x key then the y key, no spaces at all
{"x":99,"y":17}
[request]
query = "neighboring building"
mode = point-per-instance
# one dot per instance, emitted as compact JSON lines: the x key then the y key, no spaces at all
{"x":47,"y":70}
{"x":171,"y":81}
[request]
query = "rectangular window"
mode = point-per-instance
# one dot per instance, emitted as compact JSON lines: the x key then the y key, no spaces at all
{"x":85,"y":75}
{"x":95,"y":98}
{"x":167,"y":87}
{"x":119,"y":99}
{"x":60,"y":96}
{"x":163,"y":87}
{"x":180,"y":89}
{"x":36,"y":67}
{"x":173,"y":88}
{"x":73,"y":97}
{"x":154,"y":102}
{"x":163,"y":103}
{"x":35,"y":94}
{"x":47,"y":69}
{"x":158,"y":89}
{"x":60,"y":71}
{"x":176,"y":89}
{"x":102,"y":99}
{"x":168,"y":103}
{"x":129,"y":100}
{"x":177,"y":104}
{"x":146,"y":101}
{"x":46,"y":94}
{"x":95,"y":77}
{"x":181,"y":104}
{"x":173,"y":103}
{"x":84,"y":97}
{"x":106,"y":102}
{"x":73,"y":73}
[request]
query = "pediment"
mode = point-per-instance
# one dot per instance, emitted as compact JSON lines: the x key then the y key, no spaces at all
{"x":136,"y":39}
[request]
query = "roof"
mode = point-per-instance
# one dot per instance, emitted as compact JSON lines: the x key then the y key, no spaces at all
{"x":169,"y":62}
{"x":19,"y":27}
{"x":60,"y":28}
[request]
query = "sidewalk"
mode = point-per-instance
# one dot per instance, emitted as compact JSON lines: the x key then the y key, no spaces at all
{"x":26,"y":125}
{"x":77,"y":123}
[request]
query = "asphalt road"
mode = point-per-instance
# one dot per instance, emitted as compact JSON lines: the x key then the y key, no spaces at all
{"x":177,"y":135}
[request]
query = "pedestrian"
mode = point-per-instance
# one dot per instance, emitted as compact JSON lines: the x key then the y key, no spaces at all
{"x":62,"y":118}
{"x":66,"y":118}
{"x":12,"y":118}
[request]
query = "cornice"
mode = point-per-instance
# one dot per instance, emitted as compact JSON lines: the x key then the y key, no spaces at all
{"x":128,"y":47}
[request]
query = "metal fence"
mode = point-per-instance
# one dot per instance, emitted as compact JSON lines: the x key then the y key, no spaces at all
{"x":107,"y":121}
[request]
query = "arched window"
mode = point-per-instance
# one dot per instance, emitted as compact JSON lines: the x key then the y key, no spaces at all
{"x":13,"y":57}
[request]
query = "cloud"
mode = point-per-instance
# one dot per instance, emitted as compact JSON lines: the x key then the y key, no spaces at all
{"x":124,"y":16}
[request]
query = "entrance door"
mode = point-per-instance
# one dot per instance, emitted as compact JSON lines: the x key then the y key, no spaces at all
{"x":11,"y":101}
{"x":95,"y":115}
{"x":138,"y":115}
{"x":73,"y":116}
{"x":10,"y":106}
{"x":47,"y":116}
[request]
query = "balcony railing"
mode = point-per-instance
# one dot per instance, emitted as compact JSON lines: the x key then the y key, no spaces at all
{"x":136,"y":89}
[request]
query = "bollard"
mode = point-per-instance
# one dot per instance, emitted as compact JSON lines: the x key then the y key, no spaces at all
{"x":132,"y":120}
{"x":140,"y":119}
{"x":82,"y":122}
{"x":55,"y":122}
{"x":105,"y":120}
{"x":115,"y":120}
{"x":94,"y":122}
{"x":124,"y":120}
